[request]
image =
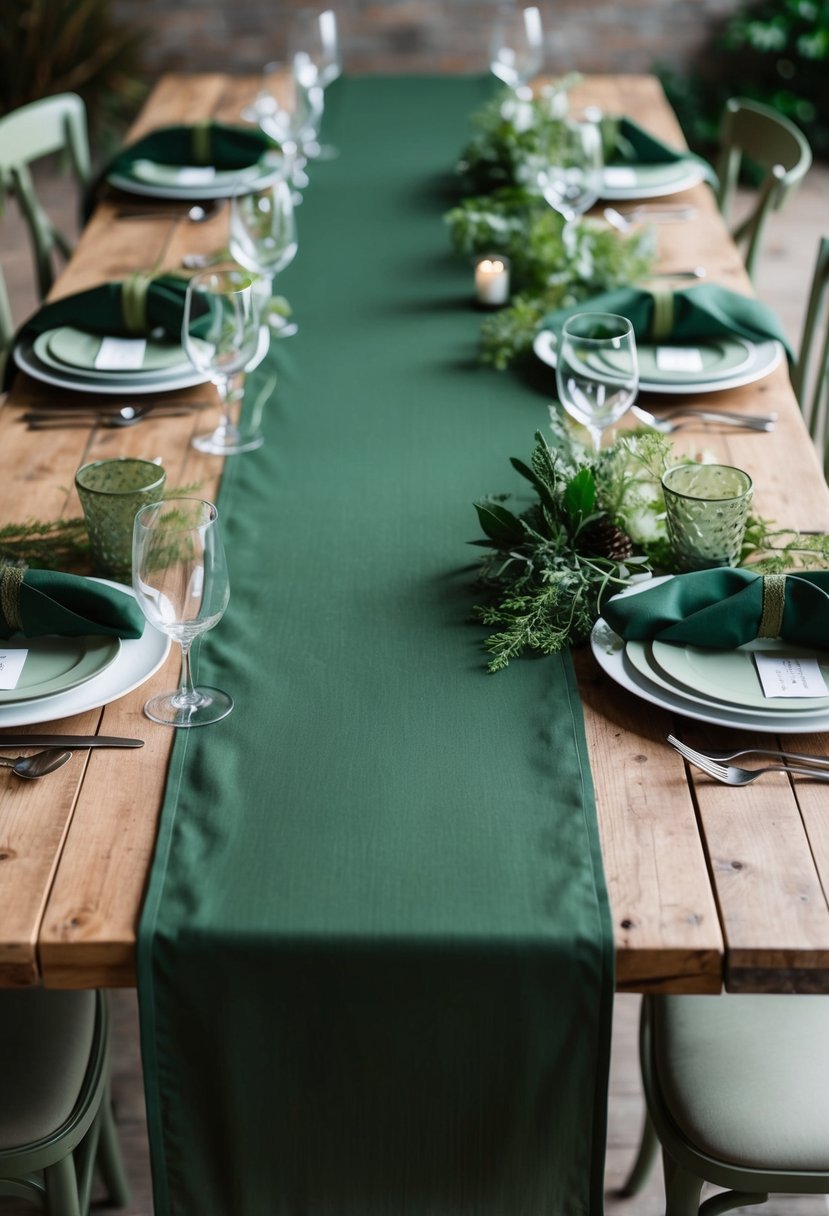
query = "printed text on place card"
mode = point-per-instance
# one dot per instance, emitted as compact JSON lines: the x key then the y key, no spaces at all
{"x":11,"y":665}
{"x":787,"y":676}
{"x":678,"y":359}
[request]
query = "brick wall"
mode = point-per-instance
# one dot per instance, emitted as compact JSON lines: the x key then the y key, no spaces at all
{"x":427,"y":35}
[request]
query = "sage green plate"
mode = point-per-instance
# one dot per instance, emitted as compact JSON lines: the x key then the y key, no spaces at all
{"x":730,"y":676}
{"x":649,"y":181}
{"x":720,"y":358}
{"x":55,"y":664}
{"x":74,"y":348}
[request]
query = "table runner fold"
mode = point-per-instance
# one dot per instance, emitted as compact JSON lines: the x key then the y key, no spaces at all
{"x":375,"y":958}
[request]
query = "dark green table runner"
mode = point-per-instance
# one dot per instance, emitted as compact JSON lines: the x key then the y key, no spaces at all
{"x":375,"y":961}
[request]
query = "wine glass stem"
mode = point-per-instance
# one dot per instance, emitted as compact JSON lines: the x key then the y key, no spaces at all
{"x":226,"y":425}
{"x":596,"y":436}
{"x":186,"y":694}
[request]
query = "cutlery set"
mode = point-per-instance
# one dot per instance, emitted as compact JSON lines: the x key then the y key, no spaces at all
{"x":672,"y":420}
{"x":56,"y":417}
{"x":716,"y":763}
{"x":58,"y":750}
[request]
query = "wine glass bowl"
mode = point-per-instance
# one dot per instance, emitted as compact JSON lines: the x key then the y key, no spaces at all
{"x":179,"y":576}
{"x":221,"y":335}
{"x":263,"y":238}
{"x":516,"y":50}
{"x":314,"y":36}
{"x":570,"y":177}
{"x":597,"y":370}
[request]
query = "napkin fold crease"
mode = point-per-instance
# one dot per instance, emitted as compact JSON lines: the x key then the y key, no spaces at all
{"x":39,"y":602}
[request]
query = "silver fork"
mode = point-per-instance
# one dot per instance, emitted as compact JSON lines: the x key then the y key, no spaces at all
{"x":667,"y":423}
{"x":733,"y":775}
{"x":766,"y":753}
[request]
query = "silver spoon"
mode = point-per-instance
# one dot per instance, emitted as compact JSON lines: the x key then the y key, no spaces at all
{"x":197,"y":214}
{"x":37,"y":765}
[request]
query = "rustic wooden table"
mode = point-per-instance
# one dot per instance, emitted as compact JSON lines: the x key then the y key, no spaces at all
{"x":708,"y":885}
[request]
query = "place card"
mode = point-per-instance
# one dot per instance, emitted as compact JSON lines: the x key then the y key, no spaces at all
{"x":121,"y":354}
{"x":679,"y":359}
{"x":195,"y":175}
{"x":789,"y":676}
{"x":617,"y":178}
{"x":11,"y":665}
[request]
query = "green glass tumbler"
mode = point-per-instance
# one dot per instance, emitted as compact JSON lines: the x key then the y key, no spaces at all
{"x":706,"y":512}
{"x":112,"y":492}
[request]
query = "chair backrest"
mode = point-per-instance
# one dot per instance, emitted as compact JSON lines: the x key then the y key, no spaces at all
{"x":810,"y":376}
{"x":55,"y":124}
{"x":773,"y":143}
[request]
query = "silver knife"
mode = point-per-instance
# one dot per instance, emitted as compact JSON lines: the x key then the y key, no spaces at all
{"x":70,"y":741}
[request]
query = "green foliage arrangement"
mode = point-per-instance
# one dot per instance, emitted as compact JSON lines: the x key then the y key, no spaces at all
{"x":774,"y":51}
{"x":553,"y":265}
{"x":593,"y":525}
{"x":78,"y":46}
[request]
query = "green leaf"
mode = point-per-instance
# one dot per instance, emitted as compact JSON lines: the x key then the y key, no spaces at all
{"x":580,"y":494}
{"x":500,"y":524}
{"x":543,"y":490}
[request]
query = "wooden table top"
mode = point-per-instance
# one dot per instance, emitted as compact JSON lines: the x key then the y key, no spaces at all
{"x":708,"y":885}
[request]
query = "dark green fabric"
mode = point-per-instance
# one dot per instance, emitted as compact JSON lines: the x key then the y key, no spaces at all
{"x":721,"y":609}
{"x":701,"y":313}
{"x":634,"y":146}
{"x":98,"y":310}
{"x":375,"y":958}
{"x":52,"y":602}
{"x":230,"y":147}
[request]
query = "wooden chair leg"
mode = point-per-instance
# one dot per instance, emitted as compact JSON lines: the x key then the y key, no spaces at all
{"x":645,"y":1159}
{"x":110,"y":1163}
{"x":62,"y":1188}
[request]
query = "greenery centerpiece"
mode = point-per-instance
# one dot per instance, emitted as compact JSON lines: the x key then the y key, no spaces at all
{"x":591,"y":525}
{"x":554,"y":264}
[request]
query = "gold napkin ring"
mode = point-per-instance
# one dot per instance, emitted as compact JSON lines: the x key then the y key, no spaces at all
{"x":662,"y":323}
{"x":774,"y":601}
{"x":201,"y":142}
{"x":11,"y":578}
{"x":134,"y":302}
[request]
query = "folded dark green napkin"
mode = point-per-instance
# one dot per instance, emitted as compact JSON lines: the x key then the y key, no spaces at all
{"x":726,"y":607}
{"x":210,"y":143}
{"x":692,"y":314}
{"x":38,"y":602}
{"x":130,"y":307}
{"x":628,"y":144}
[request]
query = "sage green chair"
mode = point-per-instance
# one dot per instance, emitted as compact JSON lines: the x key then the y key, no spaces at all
{"x":6,"y":326}
{"x":737,"y":1093}
{"x":777,"y":147}
{"x":53,"y":125}
{"x":809,"y":377}
{"x":55,"y":1115}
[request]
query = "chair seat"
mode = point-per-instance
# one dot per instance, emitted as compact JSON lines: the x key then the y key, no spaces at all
{"x":746,"y":1078}
{"x":45,"y":1045}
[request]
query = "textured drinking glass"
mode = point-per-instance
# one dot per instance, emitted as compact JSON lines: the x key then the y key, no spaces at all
{"x":179,"y":576}
{"x":707,"y":508}
{"x":111,"y":493}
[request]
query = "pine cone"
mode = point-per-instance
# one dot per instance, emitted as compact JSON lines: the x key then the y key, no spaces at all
{"x":604,"y":539}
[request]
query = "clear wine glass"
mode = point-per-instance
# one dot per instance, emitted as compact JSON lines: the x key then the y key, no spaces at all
{"x":221,"y":335}
{"x":314,"y":35}
{"x":179,"y":576}
{"x":597,"y":370}
{"x":570,"y":177}
{"x":263,"y":239}
{"x":516,"y":48}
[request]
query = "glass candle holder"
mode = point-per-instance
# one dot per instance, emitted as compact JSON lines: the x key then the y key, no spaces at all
{"x":111,"y":493}
{"x":706,"y":512}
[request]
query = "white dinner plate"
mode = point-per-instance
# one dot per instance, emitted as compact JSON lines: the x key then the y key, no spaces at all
{"x":623,"y":183}
{"x":765,"y":357}
{"x":223,"y":184}
{"x":124,"y":385}
{"x":609,"y":651}
{"x":639,"y":655}
{"x":137,"y":660}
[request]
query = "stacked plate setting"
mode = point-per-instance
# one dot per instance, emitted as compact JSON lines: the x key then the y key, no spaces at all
{"x":192,"y":183}
{"x":717,"y":686}
{"x":65,"y":357}
{"x":626,"y":183}
{"x":69,"y":675}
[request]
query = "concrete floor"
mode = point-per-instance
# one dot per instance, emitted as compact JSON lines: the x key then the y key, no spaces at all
{"x":783,"y":282}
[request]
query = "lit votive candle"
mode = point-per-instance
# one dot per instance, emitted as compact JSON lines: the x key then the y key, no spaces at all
{"x":492,"y":281}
